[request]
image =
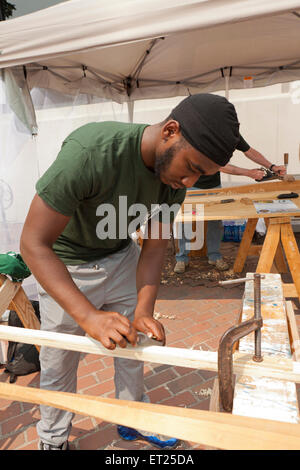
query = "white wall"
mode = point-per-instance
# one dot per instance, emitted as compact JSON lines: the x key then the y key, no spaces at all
{"x":269,"y":122}
{"x":269,"y":118}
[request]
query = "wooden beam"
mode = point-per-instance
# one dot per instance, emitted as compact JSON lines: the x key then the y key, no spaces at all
{"x":269,"y":249}
{"x":281,"y":368}
{"x":279,"y":220}
{"x":219,"y":430}
{"x":256,"y":187}
{"x":289,"y":290}
{"x":214,"y":403}
{"x":293,"y":331}
{"x":280,"y":262}
{"x":244,"y":246}
{"x":254,"y":250}
{"x":292,"y":253}
{"x":21,"y":304}
{"x":7,"y":292}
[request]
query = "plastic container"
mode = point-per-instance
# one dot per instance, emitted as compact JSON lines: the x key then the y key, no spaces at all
{"x":233,"y":230}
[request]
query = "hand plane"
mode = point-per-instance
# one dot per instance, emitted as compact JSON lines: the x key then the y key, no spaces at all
{"x":147,"y":340}
{"x":271,"y":175}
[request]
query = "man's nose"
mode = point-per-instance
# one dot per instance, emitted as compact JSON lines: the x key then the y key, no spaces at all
{"x":189,"y":181}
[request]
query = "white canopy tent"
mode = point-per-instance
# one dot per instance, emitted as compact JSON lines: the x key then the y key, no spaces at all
{"x":126,"y":50}
{"x":122,"y":51}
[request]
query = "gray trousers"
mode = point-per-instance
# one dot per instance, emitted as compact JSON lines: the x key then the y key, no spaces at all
{"x":109,"y":284}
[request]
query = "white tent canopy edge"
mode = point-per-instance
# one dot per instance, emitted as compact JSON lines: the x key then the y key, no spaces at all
{"x":126,"y":50}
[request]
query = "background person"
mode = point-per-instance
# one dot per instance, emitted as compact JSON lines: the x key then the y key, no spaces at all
{"x":214,"y":231}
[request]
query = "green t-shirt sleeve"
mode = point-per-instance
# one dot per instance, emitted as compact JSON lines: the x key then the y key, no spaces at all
{"x":67,"y":181}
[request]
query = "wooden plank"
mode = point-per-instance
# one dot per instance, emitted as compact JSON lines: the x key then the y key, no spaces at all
{"x":289,"y":290}
{"x":22,"y":306}
{"x":241,"y":208}
{"x":281,"y":368}
{"x":280,"y":260}
{"x":230,"y":211}
{"x":269,"y":249}
{"x":275,"y":338}
{"x":244,"y":246}
{"x":247,"y":188}
{"x":293,"y":331}
{"x":219,"y":430}
{"x":267,"y":397}
{"x":7,"y":292}
{"x":292,"y":253}
{"x":280,"y":220}
{"x":254,"y":250}
{"x":214,"y":403}
{"x":245,"y":199}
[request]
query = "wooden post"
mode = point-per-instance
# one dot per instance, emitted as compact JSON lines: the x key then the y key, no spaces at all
{"x":7,"y":292}
{"x":293,"y":331}
{"x":244,"y":246}
{"x":19,"y":303}
{"x":269,"y":249}
{"x":292,"y":253}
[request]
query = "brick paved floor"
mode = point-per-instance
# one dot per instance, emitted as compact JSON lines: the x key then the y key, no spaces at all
{"x":194,"y":317}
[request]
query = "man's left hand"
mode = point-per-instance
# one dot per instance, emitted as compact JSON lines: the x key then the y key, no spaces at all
{"x":148,"y":325}
{"x":279,"y":169}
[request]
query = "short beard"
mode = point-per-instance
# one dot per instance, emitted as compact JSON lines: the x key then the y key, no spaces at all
{"x":163,"y":160}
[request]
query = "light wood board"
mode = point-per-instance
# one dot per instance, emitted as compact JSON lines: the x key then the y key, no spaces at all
{"x":266,"y":397}
{"x":219,"y":430}
{"x":279,"y":367}
{"x":214,"y":210}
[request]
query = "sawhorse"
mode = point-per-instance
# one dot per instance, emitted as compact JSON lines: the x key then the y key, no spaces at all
{"x":279,"y":241}
{"x":13,"y":297}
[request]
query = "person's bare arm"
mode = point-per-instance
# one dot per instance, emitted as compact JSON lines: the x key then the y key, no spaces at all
{"x":148,"y":280}
{"x":257,"y":157}
{"x":42,"y":227}
{"x":255,"y":173}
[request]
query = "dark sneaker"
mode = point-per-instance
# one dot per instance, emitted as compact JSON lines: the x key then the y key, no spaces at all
{"x":44,"y":446}
{"x":163,"y":442}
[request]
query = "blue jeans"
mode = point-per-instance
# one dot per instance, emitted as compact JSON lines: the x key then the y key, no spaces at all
{"x":214,"y":234}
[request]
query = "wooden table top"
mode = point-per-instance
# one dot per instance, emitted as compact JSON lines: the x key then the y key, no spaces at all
{"x":206,"y":204}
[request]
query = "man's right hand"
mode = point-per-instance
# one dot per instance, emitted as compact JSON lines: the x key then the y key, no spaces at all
{"x":256,"y":173}
{"x":110,"y":328}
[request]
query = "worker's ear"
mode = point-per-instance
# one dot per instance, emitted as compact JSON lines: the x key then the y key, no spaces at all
{"x":170,"y":129}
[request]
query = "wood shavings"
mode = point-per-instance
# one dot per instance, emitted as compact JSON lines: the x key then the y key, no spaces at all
{"x":158,"y":315}
{"x":205,"y":392}
{"x":247,"y":201}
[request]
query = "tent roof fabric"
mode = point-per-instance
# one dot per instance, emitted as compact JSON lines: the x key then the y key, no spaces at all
{"x":128,"y":49}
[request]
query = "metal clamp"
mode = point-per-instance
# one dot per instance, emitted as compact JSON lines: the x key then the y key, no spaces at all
{"x":231,"y":336}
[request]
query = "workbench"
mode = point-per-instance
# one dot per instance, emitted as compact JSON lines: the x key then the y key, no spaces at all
{"x":279,"y":250}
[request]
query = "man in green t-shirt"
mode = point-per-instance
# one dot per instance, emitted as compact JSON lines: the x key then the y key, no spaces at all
{"x":76,"y":238}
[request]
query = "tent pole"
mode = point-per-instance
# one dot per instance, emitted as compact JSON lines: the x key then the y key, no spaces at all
{"x":130,"y":107}
{"x":227,"y":78}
